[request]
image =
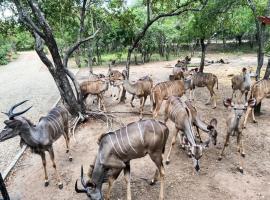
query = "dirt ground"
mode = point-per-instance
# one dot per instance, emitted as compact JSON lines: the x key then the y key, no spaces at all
{"x":217,"y":179}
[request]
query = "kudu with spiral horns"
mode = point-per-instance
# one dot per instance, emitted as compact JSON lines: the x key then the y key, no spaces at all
{"x":39,"y":137}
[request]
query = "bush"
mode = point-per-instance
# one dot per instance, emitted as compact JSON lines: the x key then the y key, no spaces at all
{"x":5,"y":51}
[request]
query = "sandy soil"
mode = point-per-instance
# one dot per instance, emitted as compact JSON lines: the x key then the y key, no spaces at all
{"x":217,"y":180}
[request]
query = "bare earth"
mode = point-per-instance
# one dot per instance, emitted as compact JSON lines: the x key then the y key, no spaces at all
{"x":217,"y":180}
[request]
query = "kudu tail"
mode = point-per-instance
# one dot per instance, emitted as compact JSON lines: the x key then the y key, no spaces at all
{"x":153,"y":101}
{"x":217,"y":83}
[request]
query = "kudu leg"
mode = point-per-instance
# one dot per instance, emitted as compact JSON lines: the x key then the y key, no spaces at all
{"x":249,"y":110}
{"x":67,"y":139}
{"x":43,"y":157}
{"x":131,"y":101}
{"x":224,"y":146}
{"x":110,"y":181}
{"x":60,"y":184}
{"x":101,"y":99}
{"x":240,"y":151}
{"x":157,"y":159}
{"x":171,"y":146}
{"x":127,"y":179}
{"x":156,"y":111}
{"x":142,"y":102}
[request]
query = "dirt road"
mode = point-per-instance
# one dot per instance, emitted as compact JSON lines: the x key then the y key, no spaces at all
{"x":218,"y":180}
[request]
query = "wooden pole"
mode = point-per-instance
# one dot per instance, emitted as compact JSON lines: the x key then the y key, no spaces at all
{"x":3,"y":189}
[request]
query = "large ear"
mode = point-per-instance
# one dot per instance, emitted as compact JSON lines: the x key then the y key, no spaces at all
{"x":252,"y":102}
{"x":228,"y":102}
{"x":213,"y":122}
{"x":12,"y":123}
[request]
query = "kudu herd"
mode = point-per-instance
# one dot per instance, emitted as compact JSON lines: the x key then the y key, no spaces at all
{"x":149,"y":136}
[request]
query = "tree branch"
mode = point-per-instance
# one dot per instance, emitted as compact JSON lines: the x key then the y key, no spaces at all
{"x":24,"y":17}
{"x":75,"y":46}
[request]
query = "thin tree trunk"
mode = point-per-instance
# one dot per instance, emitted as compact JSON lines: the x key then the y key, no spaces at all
{"x":267,"y":72}
{"x":203,"y":48}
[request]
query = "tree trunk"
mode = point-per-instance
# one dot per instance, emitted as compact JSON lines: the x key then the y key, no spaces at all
{"x":90,"y":63}
{"x":267,"y":72}
{"x":3,"y":188}
{"x":239,"y":39}
{"x":260,"y":54}
{"x":203,"y":47}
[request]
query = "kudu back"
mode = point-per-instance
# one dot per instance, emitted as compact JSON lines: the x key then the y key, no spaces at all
{"x":118,"y":148}
{"x":39,"y":137}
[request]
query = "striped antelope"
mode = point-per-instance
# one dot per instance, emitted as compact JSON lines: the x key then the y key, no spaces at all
{"x":201,"y":79}
{"x":97,"y":87}
{"x":180,"y":68}
{"x":242,"y":82}
{"x":162,"y":91}
{"x":118,"y":148}
{"x":116,"y":78}
{"x":39,"y":137}
{"x":235,"y":126}
{"x":141,"y":89}
{"x":259,"y":91}
{"x":178,"y":112}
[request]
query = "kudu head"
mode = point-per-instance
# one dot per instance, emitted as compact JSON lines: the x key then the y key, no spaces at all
{"x":239,"y":109}
{"x":212,"y":127}
{"x":125,"y":74}
{"x":187,"y":59}
{"x":89,"y":188}
{"x":196,"y":154}
{"x":14,"y":125}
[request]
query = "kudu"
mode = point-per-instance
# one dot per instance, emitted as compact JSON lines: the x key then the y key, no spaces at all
{"x":259,"y":91}
{"x":241,"y":82}
{"x":116,"y":78}
{"x":162,"y":91}
{"x":39,"y":137}
{"x":235,"y":126}
{"x":180,"y":68}
{"x":118,"y":148}
{"x":180,"y":113}
{"x":97,"y":87}
{"x":201,"y":79}
{"x":141,"y":89}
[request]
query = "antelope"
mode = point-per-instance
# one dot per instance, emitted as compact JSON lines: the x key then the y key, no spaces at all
{"x":201,"y":79}
{"x":162,"y":91}
{"x":259,"y":91}
{"x":235,"y":126}
{"x":39,"y":137}
{"x":116,"y":78}
{"x":141,"y":89}
{"x":118,"y":148}
{"x":241,"y":82}
{"x":97,"y":87}
{"x":180,"y":68}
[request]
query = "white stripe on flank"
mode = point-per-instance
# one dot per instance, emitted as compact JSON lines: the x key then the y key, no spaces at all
{"x":129,"y":141}
{"x":140,"y":132}
{"x":57,"y":121}
{"x":153,"y":130}
{"x":113,"y":145}
{"x":122,"y":140}
{"x":119,"y":143}
{"x":52,"y":126}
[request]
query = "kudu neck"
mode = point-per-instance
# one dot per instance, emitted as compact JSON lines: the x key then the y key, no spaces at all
{"x":29,"y":134}
{"x":98,"y":173}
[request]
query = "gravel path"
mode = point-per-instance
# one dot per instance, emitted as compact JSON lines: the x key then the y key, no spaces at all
{"x":25,"y":78}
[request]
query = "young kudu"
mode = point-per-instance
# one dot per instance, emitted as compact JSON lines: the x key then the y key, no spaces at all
{"x":39,"y":137}
{"x":178,"y":111}
{"x":180,"y":68}
{"x":118,"y":148}
{"x":259,"y":91}
{"x":201,"y":79}
{"x":116,"y":78}
{"x":235,"y":126}
{"x":162,"y":91}
{"x":141,"y":89}
{"x":241,"y":82}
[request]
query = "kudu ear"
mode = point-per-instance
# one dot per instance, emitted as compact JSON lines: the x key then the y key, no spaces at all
{"x":12,"y":123}
{"x":213,"y":122}
{"x":251,"y":102}
{"x":228,"y":102}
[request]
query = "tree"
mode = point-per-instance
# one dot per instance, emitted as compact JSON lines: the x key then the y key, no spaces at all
{"x":43,"y":34}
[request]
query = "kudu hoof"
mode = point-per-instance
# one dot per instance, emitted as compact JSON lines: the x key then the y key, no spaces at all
{"x":152,"y":182}
{"x":219,"y":158}
{"x":60,"y":186}
{"x":46,"y":183}
{"x":241,"y":170}
{"x":67,"y":151}
{"x":167,"y":162}
{"x":214,"y":107}
{"x":255,"y":121}
{"x":243,"y":155}
{"x":70,"y":158}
